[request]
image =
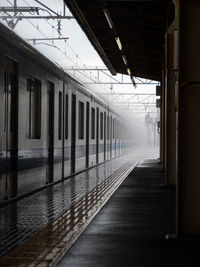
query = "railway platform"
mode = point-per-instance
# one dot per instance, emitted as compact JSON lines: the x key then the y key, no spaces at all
{"x":131,"y":228}
{"x":39,"y":229}
{"x":127,"y":229}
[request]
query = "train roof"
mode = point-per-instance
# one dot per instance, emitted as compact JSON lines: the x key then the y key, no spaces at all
{"x":52,"y":67}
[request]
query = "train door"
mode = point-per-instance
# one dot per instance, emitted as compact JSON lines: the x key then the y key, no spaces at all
{"x":115,"y":135}
{"x":104,"y":136}
{"x":50,"y":131}
{"x":111,"y":136}
{"x":11,"y":127}
{"x":73,"y":134}
{"x":108,"y":137}
{"x":97,"y":138}
{"x":87,"y":132}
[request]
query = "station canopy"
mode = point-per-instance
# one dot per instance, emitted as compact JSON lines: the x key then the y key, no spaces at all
{"x":128,"y":35}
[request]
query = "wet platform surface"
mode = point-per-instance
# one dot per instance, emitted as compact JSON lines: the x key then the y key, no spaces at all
{"x":130,"y":229}
{"x":19,"y":220}
{"x":23,"y":219}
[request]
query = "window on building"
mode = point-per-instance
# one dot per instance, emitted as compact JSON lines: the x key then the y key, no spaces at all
{"x":34,"y":89}
{"x":60,"y":115}
{"x":101,"y":125}
{"x":92,"y":123}
{"x":81,"y":121}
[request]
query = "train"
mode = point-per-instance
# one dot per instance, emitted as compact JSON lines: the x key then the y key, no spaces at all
{"x":51,"y":125}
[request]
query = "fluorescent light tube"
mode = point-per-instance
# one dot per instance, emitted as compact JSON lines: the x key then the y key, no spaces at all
{"x":108,"y":18}
{"x":128,"y":71}
{"x":124,"y":59}
{"x":118,"y":43}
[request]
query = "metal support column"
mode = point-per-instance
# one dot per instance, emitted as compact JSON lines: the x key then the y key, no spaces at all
{"x":162,"y":120}
{"x":170,"y":114}
{"x":189,"y":120}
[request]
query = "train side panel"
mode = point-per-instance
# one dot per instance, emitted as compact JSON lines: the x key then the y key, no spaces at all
{"x":50,"y":127}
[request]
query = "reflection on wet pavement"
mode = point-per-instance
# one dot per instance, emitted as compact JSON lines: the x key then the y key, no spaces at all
{"x":22,"y":219}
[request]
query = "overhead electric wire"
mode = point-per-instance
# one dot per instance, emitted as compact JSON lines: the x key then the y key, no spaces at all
{"x":61,"y":34}
{"x":46,"y":7}
{"x":55,"y":46}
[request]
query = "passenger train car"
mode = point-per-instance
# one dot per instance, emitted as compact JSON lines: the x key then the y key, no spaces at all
{"x":51,"y":127}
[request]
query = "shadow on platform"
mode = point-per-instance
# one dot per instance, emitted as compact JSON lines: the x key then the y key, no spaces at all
{"x":130,"y":229}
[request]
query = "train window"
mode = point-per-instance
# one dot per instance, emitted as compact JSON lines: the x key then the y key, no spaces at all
{"x":104,"y":126}
{"x":101,"y":125}
{"x":66,"y":116}
{"x":117,"y":132}
{"x":92,"y":123}
{"x":113,"y":128}
{"x":107,"y":127}
{"x":81,"y":121}
{"x":60,"y":115}
{"x":34,"y":89}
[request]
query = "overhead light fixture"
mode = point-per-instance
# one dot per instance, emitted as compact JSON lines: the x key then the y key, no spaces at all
{"x":118,"y":43}
{"x":128,"y":71}
{"x":108,"y":18}
{"x":124,"y":59}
